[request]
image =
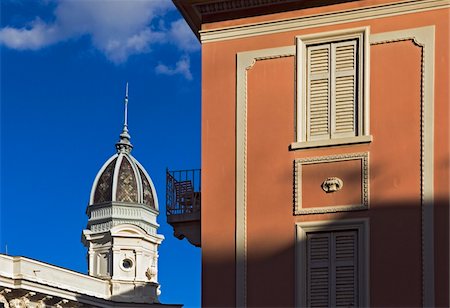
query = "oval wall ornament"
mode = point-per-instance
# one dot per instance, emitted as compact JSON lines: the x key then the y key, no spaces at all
{"x":332,"y":184}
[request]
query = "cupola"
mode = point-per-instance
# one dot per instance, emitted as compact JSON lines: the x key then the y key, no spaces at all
{"x":122,"y":191}
{"x":123,"y":179}
{"x":121,"y":233}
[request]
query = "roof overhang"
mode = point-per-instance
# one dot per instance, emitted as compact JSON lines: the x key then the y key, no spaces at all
{"x":198,"y":12}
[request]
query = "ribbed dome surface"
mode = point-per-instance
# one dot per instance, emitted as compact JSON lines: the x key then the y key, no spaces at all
{"x":123,"y":179}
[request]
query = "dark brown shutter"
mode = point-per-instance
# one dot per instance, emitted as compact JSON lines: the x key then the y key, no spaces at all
{"x":319,"y":269}
{"x":332,"y":269}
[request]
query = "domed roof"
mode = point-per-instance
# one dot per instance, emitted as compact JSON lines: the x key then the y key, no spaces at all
{"x":122,"y":178}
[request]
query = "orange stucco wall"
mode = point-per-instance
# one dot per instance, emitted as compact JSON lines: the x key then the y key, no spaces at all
{"x":349,"y":171}
{"x":395,"y":169}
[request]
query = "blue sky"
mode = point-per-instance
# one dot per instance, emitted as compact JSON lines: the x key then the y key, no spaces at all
{"x":64,"y":65}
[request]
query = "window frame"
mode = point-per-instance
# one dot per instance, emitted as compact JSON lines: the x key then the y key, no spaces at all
{"x":362,"y":116}
{"x":302,"y":228}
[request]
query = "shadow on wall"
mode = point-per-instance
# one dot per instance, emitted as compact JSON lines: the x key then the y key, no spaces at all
{"x":394,"y":260}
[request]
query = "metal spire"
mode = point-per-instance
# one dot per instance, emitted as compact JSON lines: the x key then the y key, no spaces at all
{"x":125,"y":122}
{"x":124,"y":144}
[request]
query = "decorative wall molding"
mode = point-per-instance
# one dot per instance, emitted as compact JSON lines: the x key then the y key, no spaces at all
{"x":323,"y":19}
{"x":245,"y":61}
{"x":424,"y":38}
{"x":298,"y":163}
{"x":105,"y":216}
{"x":101,"y":212}
{"x":106,"y":226}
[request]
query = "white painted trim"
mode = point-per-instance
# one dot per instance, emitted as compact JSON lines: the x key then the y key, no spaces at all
{"x":365,"y":106}
{"x":321,"y":19}
{"x":245,"y":61}
{"x":425,"y":39}
{"x":298,"y":163}
{"x":363,"y":228}
{"x":331,"y":142}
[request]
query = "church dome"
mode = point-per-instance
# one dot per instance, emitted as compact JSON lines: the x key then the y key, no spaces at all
{"x":122,"y":178}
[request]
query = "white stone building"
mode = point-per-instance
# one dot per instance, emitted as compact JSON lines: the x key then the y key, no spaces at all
{"x":122,"y":242}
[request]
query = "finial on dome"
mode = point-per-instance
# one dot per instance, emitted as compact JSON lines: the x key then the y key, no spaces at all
{"x":124,"y":144}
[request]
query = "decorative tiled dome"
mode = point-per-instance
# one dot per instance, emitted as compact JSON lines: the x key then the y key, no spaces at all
{"x":123,"y":179}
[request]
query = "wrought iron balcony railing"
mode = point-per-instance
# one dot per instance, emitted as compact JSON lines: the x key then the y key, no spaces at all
{"x":183,"y":193}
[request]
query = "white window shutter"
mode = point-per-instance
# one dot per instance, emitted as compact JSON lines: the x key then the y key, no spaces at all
{"x":318,"y":271}
{"x":318,"y":95}
{"x":343,"y":84}
{"x":344,"y":268}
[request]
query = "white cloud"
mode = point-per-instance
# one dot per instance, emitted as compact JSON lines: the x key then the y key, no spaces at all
{"x":119,"y":49}
{"x":182,"y":36}
{"x":118,"y":28}
{"x":34,"y":37}
{"x":182,"y":67}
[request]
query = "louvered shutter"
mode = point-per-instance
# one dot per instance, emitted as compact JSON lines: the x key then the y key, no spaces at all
{"x":344,"y":268}
{"x":318,"y":270}
{"x":332,"y":269}
{"x":343,"y":84}
{"x":318,"y":92}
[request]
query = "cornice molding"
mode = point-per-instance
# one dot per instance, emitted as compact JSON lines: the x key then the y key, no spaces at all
{"x":323,"y":19}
